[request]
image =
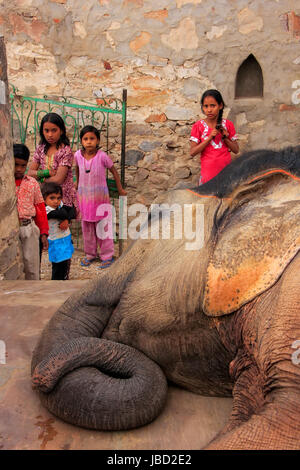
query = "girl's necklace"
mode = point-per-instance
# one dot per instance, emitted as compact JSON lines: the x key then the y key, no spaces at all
{"x":50,"y":159}
{"x":88,"y":170}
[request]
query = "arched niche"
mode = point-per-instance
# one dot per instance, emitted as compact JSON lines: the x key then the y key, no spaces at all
{"x":249,"y":79}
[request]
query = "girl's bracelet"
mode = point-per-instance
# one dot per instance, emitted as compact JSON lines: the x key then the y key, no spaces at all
{"x":42,"y":174}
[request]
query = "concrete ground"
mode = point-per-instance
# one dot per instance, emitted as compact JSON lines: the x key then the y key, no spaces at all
{"x":188,"y":421}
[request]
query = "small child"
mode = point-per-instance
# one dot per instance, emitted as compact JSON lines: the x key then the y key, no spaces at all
{"x":91,"y":165}
{"x":60,"y":242}
{"x":32,"y":214}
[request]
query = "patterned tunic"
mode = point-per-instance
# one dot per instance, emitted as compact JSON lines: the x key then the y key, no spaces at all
{"x":28,"y":196}
{"x":92,"y":188}
{"x":63,"y":157}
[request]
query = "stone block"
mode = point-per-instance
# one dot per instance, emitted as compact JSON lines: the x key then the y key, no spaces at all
{"x":159,"y":15}
{"x":241,"y":120}
{"x":141,"y":174}
{"x":160,"y":168}
{"x":192,"y":88}
{"x":137,"y":129}
{"x":7,"y":256}
{"x":79,"y":30}
{"x":34,"y":29}
{"x":216,"y":32}
{"x":257,"y":124}
{"x":148,"y":146}
{"x":146,"y":83}
{"x":172,"y":143}
{"x":13,"y":273}
{"x":179,"y":113}
{"x":294,"y":23}
{"x":162,"y":132}
{"x":182,"y":173}
{"x":183,"y":37}
{"x":169,"y":157}
{"x":132,"y":157}
{"x":183,"y":130}
{"x":180,"y":3}
{"x":149,"y":98}
{"x":148,"y":160}
{"x":184,"y":185}
{"x":136,"y":3}
{"x":140,"y":41}
{"x":249,"y":21}
{"x":287,"y":107}
{"x":157,"y":61}
{"x":156,"y":118}
{"x":160,"y":180}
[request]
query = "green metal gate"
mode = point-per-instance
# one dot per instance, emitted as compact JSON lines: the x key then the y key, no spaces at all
{"x":28,"y":111}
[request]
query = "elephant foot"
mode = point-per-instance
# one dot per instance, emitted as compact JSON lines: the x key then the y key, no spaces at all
{"x":263,"y":431}
{"x":248,"y":391}
{"x":98,"y":384}
{"x":254,"y":423}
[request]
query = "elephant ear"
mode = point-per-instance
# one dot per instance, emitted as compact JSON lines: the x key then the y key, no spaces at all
{"x":258,"y":236}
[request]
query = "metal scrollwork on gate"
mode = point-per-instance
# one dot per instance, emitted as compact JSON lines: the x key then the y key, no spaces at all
{"x":28,"y":111}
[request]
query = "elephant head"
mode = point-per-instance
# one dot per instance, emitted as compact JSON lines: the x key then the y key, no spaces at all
{"x":219,"y":320}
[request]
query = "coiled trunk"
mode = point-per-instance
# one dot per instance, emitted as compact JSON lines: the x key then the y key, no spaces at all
{"x":98,"y":384}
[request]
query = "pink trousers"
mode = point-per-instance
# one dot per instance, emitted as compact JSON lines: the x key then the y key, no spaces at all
{"x":91,"y":241}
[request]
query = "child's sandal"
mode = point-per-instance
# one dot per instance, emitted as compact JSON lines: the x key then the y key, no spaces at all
{"x":106,"y":263}
{"x":86,"y":262}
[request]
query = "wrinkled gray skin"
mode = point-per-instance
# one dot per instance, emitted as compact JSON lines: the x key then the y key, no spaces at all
{"x":105,"y":357}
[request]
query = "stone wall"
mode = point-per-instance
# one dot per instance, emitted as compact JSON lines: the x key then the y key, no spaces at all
{"x":11,"y":265}
{"x":165,"y":53}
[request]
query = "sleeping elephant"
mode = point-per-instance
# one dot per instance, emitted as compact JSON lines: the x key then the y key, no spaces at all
{"x":220,"y":320}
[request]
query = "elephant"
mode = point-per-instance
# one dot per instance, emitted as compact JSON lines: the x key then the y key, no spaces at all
{"x":221,"y":320}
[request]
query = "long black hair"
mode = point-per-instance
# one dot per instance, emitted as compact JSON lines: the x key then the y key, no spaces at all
{"x":219,"y":99}
{"x":59,"y":122}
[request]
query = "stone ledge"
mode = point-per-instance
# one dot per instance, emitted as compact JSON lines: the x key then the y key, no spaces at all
{"x":26,"y":425}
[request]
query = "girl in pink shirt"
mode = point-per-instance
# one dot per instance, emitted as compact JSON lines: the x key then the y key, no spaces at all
{"x":213,"y":137}
{"x":93,"y":194}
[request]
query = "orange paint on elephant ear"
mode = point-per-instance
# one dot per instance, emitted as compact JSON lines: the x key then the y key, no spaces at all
{"x":226,"y":292}
{"x":258,"y":240}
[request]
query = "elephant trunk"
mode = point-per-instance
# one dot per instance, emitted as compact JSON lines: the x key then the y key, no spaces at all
{"x":99,"y":384}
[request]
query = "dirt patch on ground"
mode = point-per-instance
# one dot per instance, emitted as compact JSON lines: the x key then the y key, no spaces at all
{"x":77,"y":271}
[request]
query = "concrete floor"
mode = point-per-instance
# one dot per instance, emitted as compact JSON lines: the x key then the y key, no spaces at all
{"x":188,"y":421}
